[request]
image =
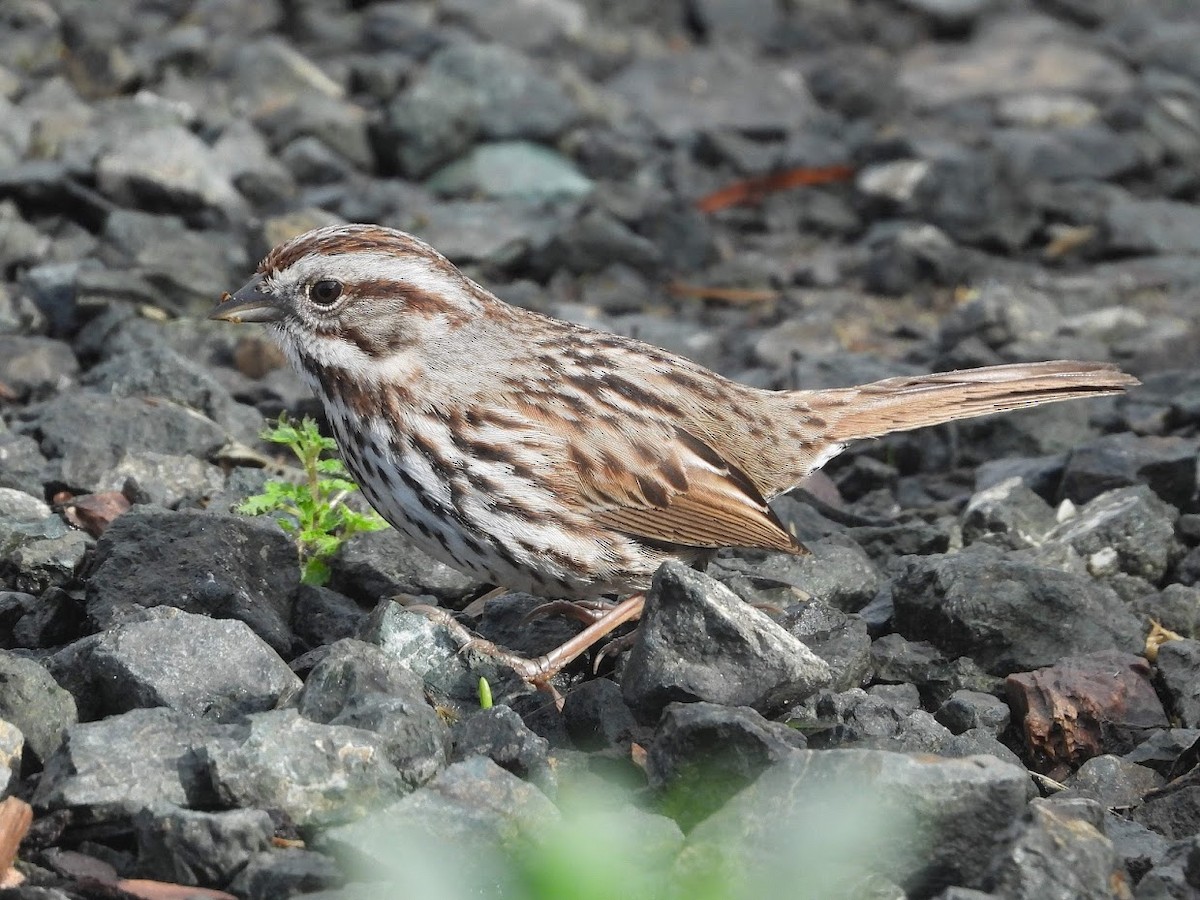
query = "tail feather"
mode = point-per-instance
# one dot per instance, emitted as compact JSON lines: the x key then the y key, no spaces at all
{"x":904,"y":403}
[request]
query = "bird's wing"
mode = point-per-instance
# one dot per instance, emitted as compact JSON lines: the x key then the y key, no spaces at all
{"x":677,"y":490}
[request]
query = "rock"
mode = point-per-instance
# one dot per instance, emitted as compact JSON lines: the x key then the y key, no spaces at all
{"x":839,"y":639}
{"x":285,"y":873}
{"x":380,"y":564}
{"x":1009,"y":509}
{"x":837,"y":572}
{"x":1152,"y":226}
{"x":499,"y":734}
{"x":1176,"y":607}
{"x":596,"y":717}
{"x":473,"y":806}
{"x":1166,"y":464}
{"x":594,"y":241}
{"x":697,"y":641}
{"x":321,"y":616}
{"x":167,"y":661}
{"x":1090,"y":151}
{"x":1008,"y":615}
{"x":319,"y":775}
{"x":897,"y":660}
{"x":1162,"y":749}
{"x":510,"y":622}
{"x":1172,"y":813}
{"x":1113,"y":782}
{"x":37,"y":365}
{"x":702,"y":754}
{"x":32,"y":700}
{"x":12,"y":742}
{"x":187,"y":846}
{"x":965,"y":710}
{"x":1060,"y":851}
{"x":359,"y":685}
{"x":516,"y":170}
{"x":1084,"y":706}
{"x":88,"y":434}
{"x":835,"y":797}
{"x":1138,"y":846}
{"x":163,"y":761}
{"x":38,"y":555}
{"x":253,"y":582}
{"x":1130,"y":523}
{"x":22,"y":466}
{"x":1178,"y":666}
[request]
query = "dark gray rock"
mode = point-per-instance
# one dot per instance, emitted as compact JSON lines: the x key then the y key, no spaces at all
{"x":317,"y":774}
{"x":897,"y":660}
{"x":837,"y":637}
{"x":972,"y":709}
{"x":1162,"y":749}
{"x":89,"y":433}
{"x":1176,"y":607}
{"x":1113,"y":782}
{"x":52,"y":620}
{"x":1179,"y":674}
{"x":1008,"y":615}
{"x":187,"y":846}
{"x":359,"y":685}
{"x":40,"y":554}
{"x":500,"y":735}
{"x":596,"y":716}
{"x":1172,"y":813}
{"x":1060,"y":851}
{"x":1152,"y":226}
{"x":1176,"y":874}
{"x":321,"y":616}
{"x":1009,"y":509}
{"x":593,"y":241}
{"x":161,"y":754}
{"x":159,"y":371}
{"x":224,"y":566}
{"x":702,"y":754}
{"x":1063,"y":154}
{"x":698,"y":641}
{"x":467,"y":91}
{"x":33,"y":701}
{"x":380,"y":564}
{"x":36,"y":365}
{"x":1130,"y":525}
{"x":938,"y":819}
{"x":285,"y":873}
{"x":167,"y":660}
{"x":837,"y":572}
{"x":474,"y":806}
{"x":510,"y":622}
{"x":23,"y":466}
{"x":1138,"y":846}
{"x":1166,"y":464}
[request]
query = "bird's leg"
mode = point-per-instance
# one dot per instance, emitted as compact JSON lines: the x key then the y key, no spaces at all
{"x":540,"y":669}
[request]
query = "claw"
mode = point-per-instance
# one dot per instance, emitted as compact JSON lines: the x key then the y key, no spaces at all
{"x":586,"y":611}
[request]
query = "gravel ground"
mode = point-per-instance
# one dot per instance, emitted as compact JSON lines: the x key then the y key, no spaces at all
{"x":954,"y":697}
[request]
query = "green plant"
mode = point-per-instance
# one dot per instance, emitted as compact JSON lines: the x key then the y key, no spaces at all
{"x":313,"y":510}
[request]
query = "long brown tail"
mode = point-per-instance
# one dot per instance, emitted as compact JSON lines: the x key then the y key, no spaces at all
{"x":903,"y":403}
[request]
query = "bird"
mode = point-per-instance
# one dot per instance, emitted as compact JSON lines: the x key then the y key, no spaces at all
{"x":561,"y":460}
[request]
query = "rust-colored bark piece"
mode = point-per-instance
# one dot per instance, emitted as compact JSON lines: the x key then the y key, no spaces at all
{"x":95,"y":512}
{"x":15,"y":818}
{"x":1084,"y":706}
{"x":752,"y":190}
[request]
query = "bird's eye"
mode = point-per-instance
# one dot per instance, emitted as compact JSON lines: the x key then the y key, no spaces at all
{"x":325,"y":293}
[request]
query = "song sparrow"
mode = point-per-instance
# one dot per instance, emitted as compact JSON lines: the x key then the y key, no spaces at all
{"x":556,"y":459}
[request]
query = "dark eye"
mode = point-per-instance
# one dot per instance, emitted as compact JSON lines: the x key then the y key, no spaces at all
{"x":325,"y":293}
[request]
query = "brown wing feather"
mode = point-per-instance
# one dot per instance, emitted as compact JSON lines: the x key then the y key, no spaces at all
{"x":692,"y":497}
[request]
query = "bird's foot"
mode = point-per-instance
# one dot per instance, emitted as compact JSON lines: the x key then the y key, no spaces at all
{"x":588,"y":612}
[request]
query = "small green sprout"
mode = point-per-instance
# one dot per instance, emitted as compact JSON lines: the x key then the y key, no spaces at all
{"x":485,"y":694}
{"x":313,"y":511}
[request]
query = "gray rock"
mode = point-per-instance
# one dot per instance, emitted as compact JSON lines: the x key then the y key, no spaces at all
{"x":285,"y":873}
{"x":1153,"y":226}
{"x":973,"y":709}
{"x":1060,"y":853}
{"x":702,"y":754}
{"x":1176,"y":607}
{"x":838,"y":638}
{"x":1179,"y":674}
{"x":34,"y":702}
{"x":1010,"y":509}
{"x":22,"y":466}
{"x":108,"y":771}
{"x":219,"y":565}
{"x":510,"y":170}
{"x":929,"y":821}
{"x":595,"y":241}
{"x":167,"y":661}
{"x":359,"y":685}
{"x":1007,"y":615}
{"x":319,"y":775}
{"x":1061,"y":154}
{"x":167,"y":169}
{"x":703,"y":90}
{"x":1113,"y":782}
{"x":12,"y":742}
{"x":698,"y":641}
{"x":37,"y":555}
{"x":89,"y":433}
{"x":187,"y":846}
{"x":321,"y":616}
{"x":1166,"y":464}
{"x":510,"y":621}
{"x":1173,"y":813}
{"x":474,"y":806}
{"x":380,"y":564}
{"x":499,"y":734}
{"x":596,"y":717}
{"x":838,"y":572}
{"x":1129,"y":530}
{"x":35,"y":364}
{"x":897,"y":660}
{"x":1138,"y":846}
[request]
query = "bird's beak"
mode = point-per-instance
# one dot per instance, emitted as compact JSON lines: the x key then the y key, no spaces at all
{"x":249,"y":304}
